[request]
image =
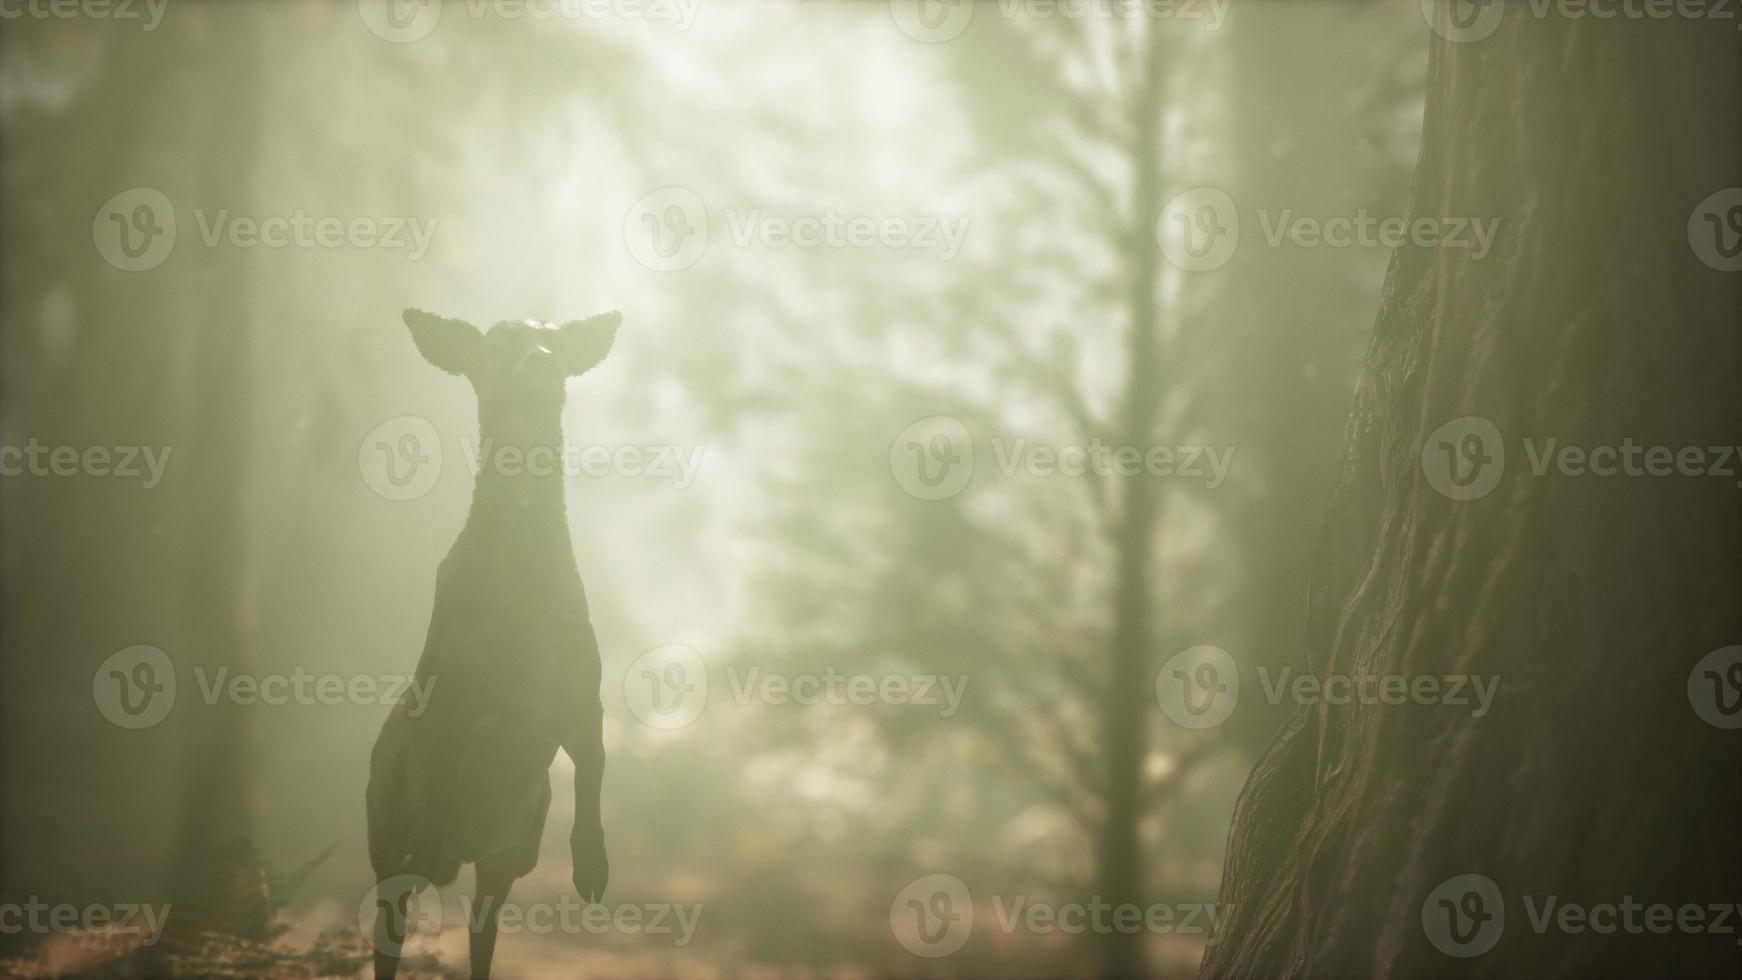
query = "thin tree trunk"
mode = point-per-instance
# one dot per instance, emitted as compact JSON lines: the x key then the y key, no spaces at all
{"x":1591,"y":778}
{"x":218,"y":880}
{"x":1119,"y":861}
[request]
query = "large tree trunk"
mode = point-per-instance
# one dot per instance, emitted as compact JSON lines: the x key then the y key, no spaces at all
{"x":1592,"y":778}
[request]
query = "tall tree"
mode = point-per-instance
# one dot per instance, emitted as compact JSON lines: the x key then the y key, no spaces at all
{"x":1591,"y":598}
{"x":218,"y":884}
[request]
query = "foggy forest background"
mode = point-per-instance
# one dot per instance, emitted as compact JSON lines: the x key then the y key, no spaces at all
{"x":528,"y":145}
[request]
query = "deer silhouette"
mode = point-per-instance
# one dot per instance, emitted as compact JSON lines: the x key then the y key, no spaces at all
{"x":510,"y":658}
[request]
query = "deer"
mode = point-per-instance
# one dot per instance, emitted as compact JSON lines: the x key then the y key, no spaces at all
{"x":510,"y":658}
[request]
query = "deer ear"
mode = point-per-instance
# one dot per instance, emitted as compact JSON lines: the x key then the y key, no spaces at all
{"x":586,"y":342}
{"x":451,"y":345}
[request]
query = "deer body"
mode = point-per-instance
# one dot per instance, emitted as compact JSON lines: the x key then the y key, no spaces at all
{"x":510,"y":656}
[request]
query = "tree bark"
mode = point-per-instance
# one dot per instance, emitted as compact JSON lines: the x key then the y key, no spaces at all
{"x":1591,"y":778}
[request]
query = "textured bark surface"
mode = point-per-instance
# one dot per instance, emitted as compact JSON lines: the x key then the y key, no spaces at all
{"x":1591,"y":778}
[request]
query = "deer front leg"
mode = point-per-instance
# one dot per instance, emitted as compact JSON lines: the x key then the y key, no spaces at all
{"x":586,"y":748}
{"x":494,"y":881}
{"x":392,"y":911}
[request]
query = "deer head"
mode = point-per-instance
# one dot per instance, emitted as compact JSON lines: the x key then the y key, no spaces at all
{"x":517,"y":368}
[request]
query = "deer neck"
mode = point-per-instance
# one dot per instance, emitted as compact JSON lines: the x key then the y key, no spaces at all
{"x":517,"y":498}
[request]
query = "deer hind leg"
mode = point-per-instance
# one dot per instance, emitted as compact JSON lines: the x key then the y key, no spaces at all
{"x":495,"y":878}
